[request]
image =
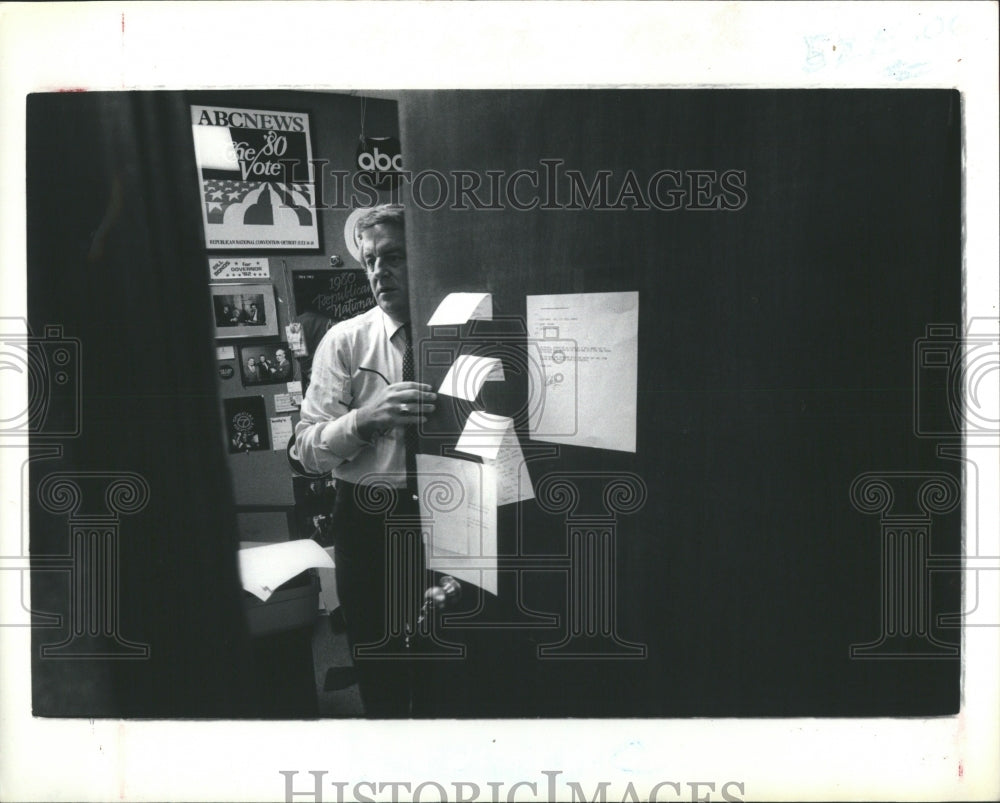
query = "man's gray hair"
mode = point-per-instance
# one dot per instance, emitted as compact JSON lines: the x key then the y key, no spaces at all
{"x":386,"y":213}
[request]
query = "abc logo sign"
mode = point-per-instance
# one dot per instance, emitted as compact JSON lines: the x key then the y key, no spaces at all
{"x":376,"y":160}
{"x":380,"y":159}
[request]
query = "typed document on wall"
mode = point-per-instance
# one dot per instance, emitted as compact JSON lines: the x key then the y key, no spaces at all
{"x":583,"y":391}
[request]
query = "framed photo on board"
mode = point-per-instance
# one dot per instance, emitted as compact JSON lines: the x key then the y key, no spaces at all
{"x":255,"y":177}
{"x":266,"y":364}
{"x":244,"y":310}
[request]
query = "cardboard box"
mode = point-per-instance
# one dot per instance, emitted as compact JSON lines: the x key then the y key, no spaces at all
{"x":293,"y":604}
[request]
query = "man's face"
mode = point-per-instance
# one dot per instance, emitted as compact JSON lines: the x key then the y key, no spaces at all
{"x":261,"y":358}
{"x":279,"y":355}
{"x":383,"y":253}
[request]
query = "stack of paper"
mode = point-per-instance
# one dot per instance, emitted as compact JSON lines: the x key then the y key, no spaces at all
{"x":458,"y":506}
{"x":264,"y":568}
{"x":492,"y":437}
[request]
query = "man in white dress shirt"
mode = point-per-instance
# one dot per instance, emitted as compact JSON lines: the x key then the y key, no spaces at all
{"x":354,"y":422}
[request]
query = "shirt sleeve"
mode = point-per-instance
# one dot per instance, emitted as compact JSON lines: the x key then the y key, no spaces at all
{"x":327,"y":432}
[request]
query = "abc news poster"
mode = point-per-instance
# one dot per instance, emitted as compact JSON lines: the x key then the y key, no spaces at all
{"x":256,"y":178}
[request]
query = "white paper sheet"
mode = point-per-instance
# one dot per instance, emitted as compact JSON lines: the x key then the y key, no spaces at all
{"x":588,"y":348}
{"x":496,"y":372}
{"x":281,"y":432}
{"x":296,"y":339}
{"x":458,"y":506}
{"x":287,"y":403}
{"x":458,"y":308}
{"x":466,"y":376}
{"x":264,"y":568}
{"x":493,"y":438}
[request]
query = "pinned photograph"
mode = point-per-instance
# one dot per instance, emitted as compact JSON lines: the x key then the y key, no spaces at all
{"x":244,"y":310}
{"x":266,"y":364}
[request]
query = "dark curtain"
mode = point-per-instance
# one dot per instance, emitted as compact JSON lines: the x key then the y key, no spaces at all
{"x":116,"y":258}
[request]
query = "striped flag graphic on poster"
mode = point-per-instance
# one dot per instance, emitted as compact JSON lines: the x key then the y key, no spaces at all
{"x":255,"y":174}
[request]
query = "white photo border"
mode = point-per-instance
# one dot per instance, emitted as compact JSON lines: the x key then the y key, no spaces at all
{"x":368,"y":47}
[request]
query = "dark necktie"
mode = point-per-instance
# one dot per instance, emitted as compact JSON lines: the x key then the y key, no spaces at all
{"x":410,"y":438}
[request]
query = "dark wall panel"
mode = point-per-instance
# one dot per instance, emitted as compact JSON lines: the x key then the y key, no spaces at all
{"x":775,"y":366}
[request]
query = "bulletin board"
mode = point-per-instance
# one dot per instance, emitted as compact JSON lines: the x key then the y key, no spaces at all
{"x":324,"y":129}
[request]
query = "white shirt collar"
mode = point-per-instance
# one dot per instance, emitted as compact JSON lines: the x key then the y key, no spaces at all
{"x":390,"y":326}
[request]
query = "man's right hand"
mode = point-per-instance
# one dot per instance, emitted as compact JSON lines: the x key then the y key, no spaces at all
{"x":395,"y":405}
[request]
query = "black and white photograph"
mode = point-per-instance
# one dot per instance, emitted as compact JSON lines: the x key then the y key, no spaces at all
{"x":669,"y":349}
{"x":266,"y":364}
{"x":244,"y":310}
{"x":642,"y":442}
